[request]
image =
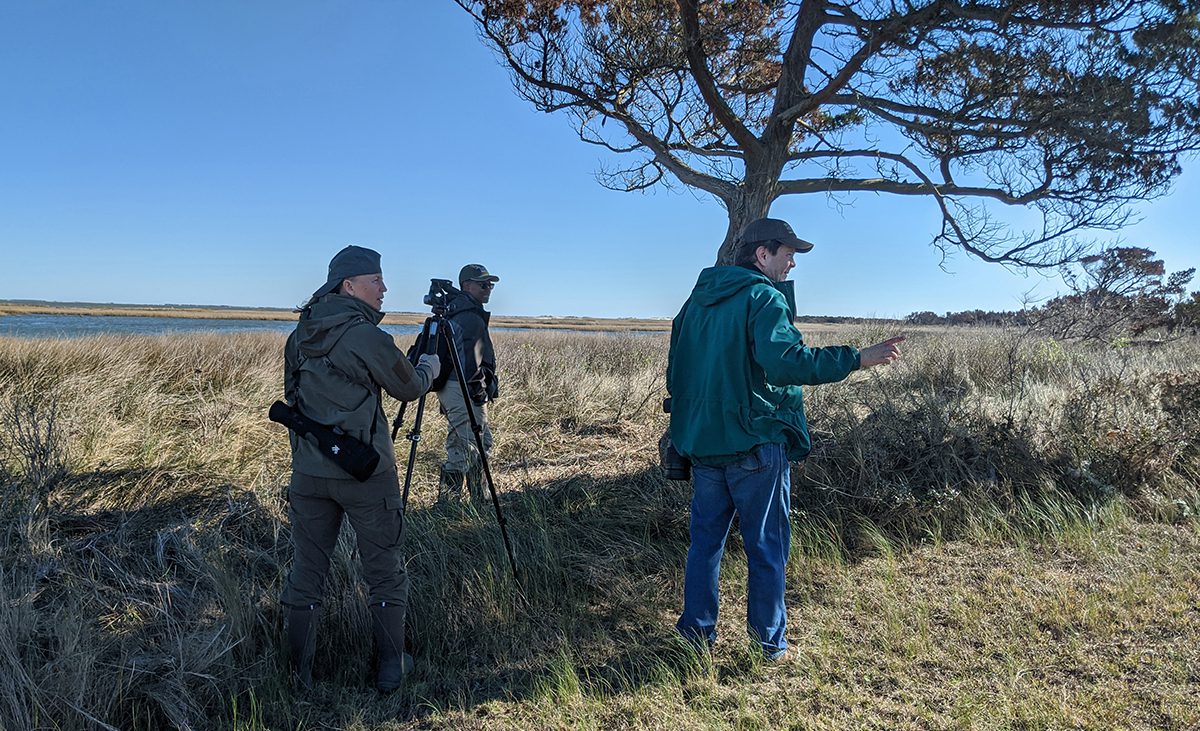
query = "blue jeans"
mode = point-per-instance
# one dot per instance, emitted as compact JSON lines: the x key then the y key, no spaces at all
{"x":758,"y":489}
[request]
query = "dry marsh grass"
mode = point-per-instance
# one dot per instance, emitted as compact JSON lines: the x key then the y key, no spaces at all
{"x":1000,"y":532}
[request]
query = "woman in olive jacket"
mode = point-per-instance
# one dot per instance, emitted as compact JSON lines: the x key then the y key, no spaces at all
{"x":337,"y":363}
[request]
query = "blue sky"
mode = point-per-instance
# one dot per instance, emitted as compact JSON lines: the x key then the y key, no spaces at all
{"x":221,"y":152}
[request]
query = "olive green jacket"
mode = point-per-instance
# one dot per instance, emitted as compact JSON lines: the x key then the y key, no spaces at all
{"x":335,"y":363}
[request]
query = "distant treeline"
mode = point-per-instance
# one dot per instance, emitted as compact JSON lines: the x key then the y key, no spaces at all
{"x":842,"y":319}
{"x":129,"y":306}
{"x":970,"y":317}
{"x":1121,"y":293}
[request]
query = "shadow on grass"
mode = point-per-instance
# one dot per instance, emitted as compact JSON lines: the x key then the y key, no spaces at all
{"x":134,"y":599}
{"x":158,"y":592}
{"x":179,"y":595}
{"x":600,"y":561}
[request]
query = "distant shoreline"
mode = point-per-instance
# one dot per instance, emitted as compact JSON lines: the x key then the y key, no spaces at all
{"x":193,"y":312}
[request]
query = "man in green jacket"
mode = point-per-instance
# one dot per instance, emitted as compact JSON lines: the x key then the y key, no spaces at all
{"x":734,"y":373}
{"x":336,"y":363}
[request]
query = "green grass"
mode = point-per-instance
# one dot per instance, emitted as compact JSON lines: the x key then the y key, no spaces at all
{"x":997,"y":533}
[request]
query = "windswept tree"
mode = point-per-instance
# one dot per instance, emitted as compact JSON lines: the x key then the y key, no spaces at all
{"x":1121,"y":291}
{"x":1071,"y":108}
{"x":1187,"y":313}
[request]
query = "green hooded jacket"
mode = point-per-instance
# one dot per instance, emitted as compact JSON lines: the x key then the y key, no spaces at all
{"x":736,"y":365}
{"x":335,"y":363}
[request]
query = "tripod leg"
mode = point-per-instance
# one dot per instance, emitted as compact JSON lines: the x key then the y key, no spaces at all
{"x":422,"y":338}
{"x":477,"y":430}
{"x":431,"y":330}
{"x":414,"y":436}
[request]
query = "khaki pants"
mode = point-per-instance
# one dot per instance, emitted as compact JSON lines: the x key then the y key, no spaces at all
{"x":461,"y":451}
{"x":316,"y":506}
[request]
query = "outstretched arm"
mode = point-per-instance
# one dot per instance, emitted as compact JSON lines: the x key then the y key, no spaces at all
{"x":880,"y":353}
{"x":780,"y":351}
{"x":388,"y":365}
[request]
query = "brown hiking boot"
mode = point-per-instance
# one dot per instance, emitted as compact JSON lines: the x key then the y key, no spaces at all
{"x":789,"y":656}
{"x":475,"y":480}
{"x":450,"y":486}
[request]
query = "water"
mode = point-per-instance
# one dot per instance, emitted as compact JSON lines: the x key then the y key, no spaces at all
{"x":75,"y":326}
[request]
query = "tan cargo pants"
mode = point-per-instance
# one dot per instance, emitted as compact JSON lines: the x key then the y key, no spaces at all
{"x":461,"y":452}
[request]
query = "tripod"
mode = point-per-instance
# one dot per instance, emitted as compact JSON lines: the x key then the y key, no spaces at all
{"x":436,"y":326}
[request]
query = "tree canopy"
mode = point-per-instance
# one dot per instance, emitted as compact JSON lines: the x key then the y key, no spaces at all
{"x":1072,"y":108}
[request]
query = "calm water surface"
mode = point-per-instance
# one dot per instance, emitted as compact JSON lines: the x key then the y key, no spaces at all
{"x":74,"y":326}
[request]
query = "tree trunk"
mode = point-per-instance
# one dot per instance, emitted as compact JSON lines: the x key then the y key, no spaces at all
{"x":754,"y":202}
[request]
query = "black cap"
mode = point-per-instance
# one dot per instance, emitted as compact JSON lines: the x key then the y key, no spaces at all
{"x":766,"y":230}
{"x":351,"y":261}
{"x":476,"y":273}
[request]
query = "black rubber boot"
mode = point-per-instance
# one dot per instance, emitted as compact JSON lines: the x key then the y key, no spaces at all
{"x":450,"y":486}
{"x":394,"y":662}
{"x":302,"y":642}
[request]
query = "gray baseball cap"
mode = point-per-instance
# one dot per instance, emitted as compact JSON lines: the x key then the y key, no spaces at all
{"x":351,"y":261}
{"x":764,"y":230}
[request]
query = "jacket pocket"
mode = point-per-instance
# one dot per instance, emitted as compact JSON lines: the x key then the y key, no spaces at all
{"x":394,"y":509}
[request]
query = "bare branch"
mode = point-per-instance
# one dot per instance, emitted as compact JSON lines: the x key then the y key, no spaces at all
{"x":698,"y":62}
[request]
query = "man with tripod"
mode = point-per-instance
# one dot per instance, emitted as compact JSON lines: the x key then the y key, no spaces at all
{"x":734,"y":373}
{"x":469,"y":323}
{"x":337,"y":361}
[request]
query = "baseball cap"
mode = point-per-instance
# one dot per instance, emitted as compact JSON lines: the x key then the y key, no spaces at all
{"x":476,"y":273}
{"x":351,"y":261}
{"x":764,"y":230}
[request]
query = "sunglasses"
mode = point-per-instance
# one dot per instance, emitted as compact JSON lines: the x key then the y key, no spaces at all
{"x":485,"y":285}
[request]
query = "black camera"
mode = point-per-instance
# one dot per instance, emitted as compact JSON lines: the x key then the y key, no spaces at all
{"x":439,"y":294}
{"x":675,"y":466}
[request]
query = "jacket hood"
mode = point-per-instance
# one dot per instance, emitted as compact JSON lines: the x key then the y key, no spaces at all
{"x":461,"y":302}
{"x":719,"y":283}
{"x":324,"y":322}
